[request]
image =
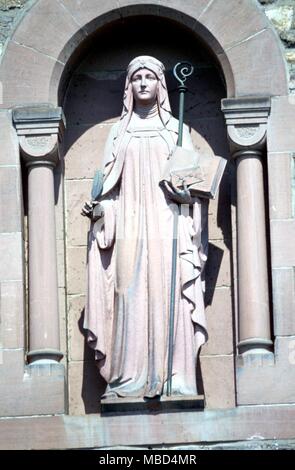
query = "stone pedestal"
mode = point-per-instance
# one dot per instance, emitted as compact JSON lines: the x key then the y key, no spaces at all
{"x":38,"y":128}
{"x":246,"y":121}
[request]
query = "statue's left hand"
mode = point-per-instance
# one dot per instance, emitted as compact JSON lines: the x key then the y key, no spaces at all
{"x":181,"y":196}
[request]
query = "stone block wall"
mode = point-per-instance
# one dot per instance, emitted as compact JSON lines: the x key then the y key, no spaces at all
{"x":281,"y":13}
{"x":10,"y":13}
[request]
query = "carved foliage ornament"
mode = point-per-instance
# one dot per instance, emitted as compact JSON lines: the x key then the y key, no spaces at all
{"x":247,"y":135}
{"x":36,"y":147}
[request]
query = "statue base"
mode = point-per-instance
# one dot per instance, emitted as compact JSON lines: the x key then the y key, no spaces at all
{"x":152,"y":405}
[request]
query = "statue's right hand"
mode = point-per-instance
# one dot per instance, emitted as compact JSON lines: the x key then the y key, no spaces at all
{"x":92,"y":209}
{"x":87,"y":209}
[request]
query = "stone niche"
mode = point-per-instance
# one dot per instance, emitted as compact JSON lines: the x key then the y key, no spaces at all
{"x":92,"y":104}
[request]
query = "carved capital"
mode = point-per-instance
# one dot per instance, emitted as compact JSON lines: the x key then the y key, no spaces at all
{"x":39,"y":128}
{"x":246,"y":120}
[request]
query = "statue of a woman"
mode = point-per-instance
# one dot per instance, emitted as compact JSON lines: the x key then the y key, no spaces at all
{"x":130,"y":251}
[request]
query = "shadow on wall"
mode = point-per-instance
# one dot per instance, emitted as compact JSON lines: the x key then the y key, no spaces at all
{"x":93,"y":385}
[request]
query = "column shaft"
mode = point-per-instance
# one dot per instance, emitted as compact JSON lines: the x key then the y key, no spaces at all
{"x":253,"y":290}
{"x":40,"y":128}
{"x":43,"y":292}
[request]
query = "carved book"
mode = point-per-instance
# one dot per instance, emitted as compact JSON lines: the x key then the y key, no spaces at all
{"x":200,"y":173}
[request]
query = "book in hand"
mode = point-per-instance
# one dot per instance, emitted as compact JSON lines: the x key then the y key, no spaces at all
{"x":199,"y":173}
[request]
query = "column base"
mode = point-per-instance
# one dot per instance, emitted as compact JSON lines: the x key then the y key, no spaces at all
{"x":255,"y":346}
{"x":44,"y":356}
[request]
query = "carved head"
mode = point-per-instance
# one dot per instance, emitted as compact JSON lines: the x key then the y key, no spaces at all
{"x":151,"y":70}
{"x":145,"y":83}
{"x":144,"y":73}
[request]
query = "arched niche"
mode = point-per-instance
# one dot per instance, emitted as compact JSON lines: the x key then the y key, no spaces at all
{"x":92,"y":104}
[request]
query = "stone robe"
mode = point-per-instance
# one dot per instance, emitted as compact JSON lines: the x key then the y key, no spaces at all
{"x":129,"y":270}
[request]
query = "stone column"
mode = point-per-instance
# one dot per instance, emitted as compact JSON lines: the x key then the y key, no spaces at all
{"x":38,"y":128}
{"x":246,"y":120}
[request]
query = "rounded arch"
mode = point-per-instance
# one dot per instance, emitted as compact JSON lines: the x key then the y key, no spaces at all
{"x":52,"y":36}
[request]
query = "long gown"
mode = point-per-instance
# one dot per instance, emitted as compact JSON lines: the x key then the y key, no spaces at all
{"x":129,"y":273}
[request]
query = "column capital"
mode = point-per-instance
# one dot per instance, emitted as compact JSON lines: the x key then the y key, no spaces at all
{"x":39,"y":128}
{"x":246,"y":120}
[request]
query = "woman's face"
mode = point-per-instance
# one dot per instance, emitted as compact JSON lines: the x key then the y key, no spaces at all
{"x":144,"y":86}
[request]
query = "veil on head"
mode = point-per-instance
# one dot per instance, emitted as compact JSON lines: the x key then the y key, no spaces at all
{"x":164,"y":107}
{"x":113,"y":162}
{"x":158,"y":68}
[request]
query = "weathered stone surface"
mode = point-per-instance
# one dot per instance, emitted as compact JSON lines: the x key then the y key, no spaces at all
{"x":92,"y":14}
{"x":281,"y":17}
{"x":35,"y":114}
{"x":245,"y":19}
{"x":85,"y":151}
{"x":76,"y":268}
{"x":283,"y":301}
{"x":59,"y":26}
{"x":10,"y":4}
{"x":210,"y":426}
{"x":264,"y":382}
{"x":282,"y":243}
{"x":10,"y":11}
{"x":10,"y":196}
{"x":22,"y":389}
{"x":77,"y":226}
{"x":213,"y":130}
{"x":85,"y":388}
{"x":220,"y":323}
{"x":126,"y":8}
{"x":96,"y":81}
{"x":280,"y":191}
{"x":169,"y":10}
{"x":290,"y":56}
{"x":39,"y":84}
{"x":279,"y":137}
{"x":11,"y":255}
{"x":12,"y":315}
{"x":258,"y":72}
{"x":288,"y":37}
{"x":219,"y":381}
{"x":190,"y":7}
{"x":12,"y":367}
{"x":60,"y":251}
{"x":9,"y":153}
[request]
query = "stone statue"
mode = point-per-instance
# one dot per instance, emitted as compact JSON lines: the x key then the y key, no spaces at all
{"x":130,"y":250}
